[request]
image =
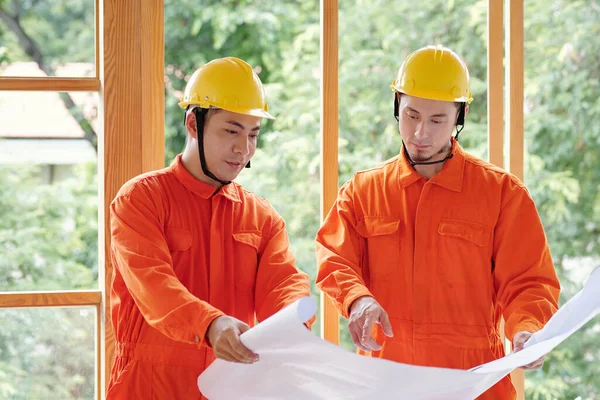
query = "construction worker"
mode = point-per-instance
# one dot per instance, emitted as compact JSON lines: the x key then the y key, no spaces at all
{"x":426,"y":252}
{"x":196,"y":257}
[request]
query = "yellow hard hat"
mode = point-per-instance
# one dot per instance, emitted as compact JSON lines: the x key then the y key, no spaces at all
{"x":436,"y":73}
{"x":228,"y":83}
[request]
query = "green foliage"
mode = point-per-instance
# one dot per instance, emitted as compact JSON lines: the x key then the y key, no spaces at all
{"x":49,"y":233}
{"x":47,"y":353}
{"x":63,"y":30}
{"x":48,"y":237}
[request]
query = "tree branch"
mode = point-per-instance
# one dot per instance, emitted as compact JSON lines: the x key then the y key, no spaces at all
{"x":88,"y":131}
{"x":33,"y":51}
{"x":17,"y":9}
{"x":25,"y":41}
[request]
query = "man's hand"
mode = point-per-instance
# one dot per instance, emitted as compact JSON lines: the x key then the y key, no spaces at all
{"x":518,"y":343}
{"x":224,"y":336}
{"x":364,"y":313}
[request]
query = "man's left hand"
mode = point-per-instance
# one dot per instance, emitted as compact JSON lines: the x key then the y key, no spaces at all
{"x":518,"y":343}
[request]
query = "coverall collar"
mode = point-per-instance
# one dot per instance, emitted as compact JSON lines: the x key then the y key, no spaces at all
{"x":200,"y":188}
{"x":450,"y":177}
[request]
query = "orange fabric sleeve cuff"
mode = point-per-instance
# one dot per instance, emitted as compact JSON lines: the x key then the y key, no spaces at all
{"x":529,"y":326}
{"x":354,"y":294}
{"x":201,"y":331}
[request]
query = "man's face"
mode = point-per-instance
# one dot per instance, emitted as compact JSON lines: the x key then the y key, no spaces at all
{"x":426,"y":127}
{"x":229,"y":142}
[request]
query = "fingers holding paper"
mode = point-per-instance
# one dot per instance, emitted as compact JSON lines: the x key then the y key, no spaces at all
{"x":518,"y":344}
{"x":224,"y":335}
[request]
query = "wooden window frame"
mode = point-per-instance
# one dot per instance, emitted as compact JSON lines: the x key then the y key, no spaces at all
{"x":56,"y":84}
{"x":68,"y":298}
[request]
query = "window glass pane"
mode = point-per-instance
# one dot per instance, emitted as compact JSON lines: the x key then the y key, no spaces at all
{"x":374,"y":39}
{"x":48,"y":353}
{"x":48,"y":191}
{"x":562,"y":154}
{"x":47,"y":38}
{"x":281,"y":41}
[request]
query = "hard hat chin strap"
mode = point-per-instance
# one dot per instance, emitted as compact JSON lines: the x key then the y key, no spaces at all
{"x":200,"y":114}
{"x":460,"y":120}
{"x":413,"y":163}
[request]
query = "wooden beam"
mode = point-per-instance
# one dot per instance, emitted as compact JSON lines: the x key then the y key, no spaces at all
{"x":329,"y":141}
{"x":50,"y":299}
{"x":495,"y":97}
{"x":515,"y":81}
{"x":495,"y":78}
{"x":153,"y":75}
{"x":97,"y":33}
{"x":515,"y":66}
{"x":23,"y":83}
{"x":98,"y":345}
{"x":132,"y":73}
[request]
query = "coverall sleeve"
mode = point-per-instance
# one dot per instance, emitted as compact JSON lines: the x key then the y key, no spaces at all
{"x":339,"y":254}
{"x":524,"y":276}
{"x":141,"y":255}
{"x":278,"y":281}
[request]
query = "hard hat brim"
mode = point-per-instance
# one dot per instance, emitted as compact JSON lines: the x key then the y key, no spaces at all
{"x":431,"y":95}
{"x":238,"y":110}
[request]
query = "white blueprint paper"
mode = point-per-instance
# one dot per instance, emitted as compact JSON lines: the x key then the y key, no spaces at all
{"x":296,"y":365}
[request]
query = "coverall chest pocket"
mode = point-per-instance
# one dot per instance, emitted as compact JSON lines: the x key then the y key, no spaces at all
{"x":464,"y":252}
{"x":245,"y":259}
{"x":381,"y":257}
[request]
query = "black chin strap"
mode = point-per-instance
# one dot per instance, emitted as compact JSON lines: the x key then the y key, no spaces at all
{"x":200,"y":114}
{"x":413,"y":163}
{"x":449,"y":156}
{"x":460,"y":120}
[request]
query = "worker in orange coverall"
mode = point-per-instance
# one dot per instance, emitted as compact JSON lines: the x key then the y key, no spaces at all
{"x":426,"y":252}
{"x":196,"y":257}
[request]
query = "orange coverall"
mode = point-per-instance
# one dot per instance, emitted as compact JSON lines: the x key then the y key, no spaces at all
{"x":184,"y":255}
{"x":446,"y":258}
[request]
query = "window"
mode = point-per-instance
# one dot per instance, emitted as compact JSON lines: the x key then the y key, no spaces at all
{"x":54,"y":193}
{"x":49,"y":294}
{"x":49,"y":190}
{"x":48,"y":353}
{"x":47,"y":38}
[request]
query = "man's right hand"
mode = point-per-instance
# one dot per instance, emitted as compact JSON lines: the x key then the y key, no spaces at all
{"x":224,"y":336}
{"x":364,"y":313}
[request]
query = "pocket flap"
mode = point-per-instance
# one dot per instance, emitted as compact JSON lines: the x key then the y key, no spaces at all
{"x":251,"y":238}
{"x":377,"y":226}
{"x":472,"y":231}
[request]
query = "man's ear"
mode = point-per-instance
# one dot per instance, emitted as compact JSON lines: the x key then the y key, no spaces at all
{"x":190,"y":124}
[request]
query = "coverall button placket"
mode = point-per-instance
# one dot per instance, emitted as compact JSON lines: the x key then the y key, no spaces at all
{"x":421,"y":274}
